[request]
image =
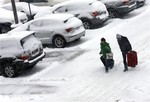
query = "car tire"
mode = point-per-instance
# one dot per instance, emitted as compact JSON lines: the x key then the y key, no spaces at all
{"x":87,"y":24}
{"x":9,"y":70}
{"x":113,"y":13}
{"x":5,"y":29}
{"x":59,"y":41}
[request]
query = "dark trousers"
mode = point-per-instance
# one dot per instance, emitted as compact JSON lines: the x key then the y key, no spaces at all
{"x":124,"y":60}
{"x":104,"y":61}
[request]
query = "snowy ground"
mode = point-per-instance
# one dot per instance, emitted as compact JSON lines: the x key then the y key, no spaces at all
{"x":75,"y":73}
{"x":1,"y":2}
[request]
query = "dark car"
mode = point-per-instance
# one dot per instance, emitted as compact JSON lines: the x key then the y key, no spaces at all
{"x":18,"y":51}
{"x":118,"y":8}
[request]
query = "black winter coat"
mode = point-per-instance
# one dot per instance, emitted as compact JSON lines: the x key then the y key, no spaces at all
{"x":124,"y":44}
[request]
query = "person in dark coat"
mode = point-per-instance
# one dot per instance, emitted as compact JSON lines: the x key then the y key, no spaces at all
{"x":105,"y":48}
{"x":125,"y":46}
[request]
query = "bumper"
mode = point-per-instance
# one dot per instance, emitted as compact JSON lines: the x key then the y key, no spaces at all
{"x":75,"y":36}
{"x":96,"y":21}
{"x":25,"y":64}
{"x":126,"y":9}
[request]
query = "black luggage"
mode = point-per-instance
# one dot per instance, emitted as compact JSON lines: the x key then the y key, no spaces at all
{"x":110,"y":60}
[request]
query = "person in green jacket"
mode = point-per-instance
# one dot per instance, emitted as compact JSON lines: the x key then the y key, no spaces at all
{"x":105,"y":48}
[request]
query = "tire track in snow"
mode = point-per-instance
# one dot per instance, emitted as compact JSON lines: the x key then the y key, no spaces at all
{"x":122,"y":85}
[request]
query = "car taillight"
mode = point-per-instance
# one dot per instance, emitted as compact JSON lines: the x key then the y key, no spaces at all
{"x":24,"y":57}
{"x":125,"y":2}
{"x":94,"y":14}
{"x":69,"y":29}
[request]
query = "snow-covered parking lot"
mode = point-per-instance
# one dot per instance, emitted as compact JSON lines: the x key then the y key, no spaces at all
{"x":75,"y":73}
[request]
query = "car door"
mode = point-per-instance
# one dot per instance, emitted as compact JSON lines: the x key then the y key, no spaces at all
{"x":43,"y":30}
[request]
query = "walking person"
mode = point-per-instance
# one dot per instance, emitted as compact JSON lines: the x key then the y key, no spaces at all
{"x":105,"y":48}
{"x":125,"y":46}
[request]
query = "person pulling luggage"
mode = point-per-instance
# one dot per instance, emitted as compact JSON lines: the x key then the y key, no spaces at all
{"x":125,"y":47}
{"x":104,"y":50}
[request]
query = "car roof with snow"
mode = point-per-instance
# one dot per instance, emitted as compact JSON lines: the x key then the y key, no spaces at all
{"x":86,"y":5}
{"x":58,"y":17}
{"x":16,"y":35}
{"x":74,"y":2}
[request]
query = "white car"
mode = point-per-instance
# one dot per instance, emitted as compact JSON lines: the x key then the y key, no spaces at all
{"x":90,"y":12}
{"x":55,"y":29}
{"x":18,"y":51}
{"x":24,"y":7}
{"x":7,"y":19}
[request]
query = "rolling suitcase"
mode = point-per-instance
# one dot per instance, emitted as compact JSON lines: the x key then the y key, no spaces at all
{"x":132,"y":58}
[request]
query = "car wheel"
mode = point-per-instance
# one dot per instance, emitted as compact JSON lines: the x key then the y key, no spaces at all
{"x":113,"y":13}
{"x":59,"y":42}
{"x":5,"y":29}
{"x":9,"y":70}
{"x":87,"y":24}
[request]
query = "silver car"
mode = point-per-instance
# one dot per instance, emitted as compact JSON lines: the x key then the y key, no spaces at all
{"x":55,"y":29}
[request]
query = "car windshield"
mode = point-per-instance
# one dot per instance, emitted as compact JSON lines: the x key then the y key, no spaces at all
{"x":29,"y":42}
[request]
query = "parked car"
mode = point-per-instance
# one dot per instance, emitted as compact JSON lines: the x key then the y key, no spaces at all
{"x":7,"y":19}
{"x":140,"y":3}
{"x":90,"y":12}
{"x":24,"y":7}
{"x":118,"y":8}
{"x":18,"y":51}
{"x":55,"y":29}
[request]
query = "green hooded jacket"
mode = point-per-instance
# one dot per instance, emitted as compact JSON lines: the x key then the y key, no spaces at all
{"x":105,"y":48}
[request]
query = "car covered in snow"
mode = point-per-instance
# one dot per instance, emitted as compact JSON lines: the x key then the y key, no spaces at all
{"x":24,"y":7}
{"x":90,"y":12}
{"x":140,"y":3}
{"x":7,"y":19}
{"x":55,"y":29}
{"x":18,"y":51}
{"x":118,"y":8}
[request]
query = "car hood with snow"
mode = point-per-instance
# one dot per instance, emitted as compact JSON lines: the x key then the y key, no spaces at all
{"x":24,"y":7}
{"x":7,"y":16}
